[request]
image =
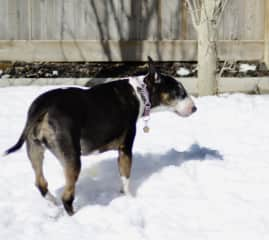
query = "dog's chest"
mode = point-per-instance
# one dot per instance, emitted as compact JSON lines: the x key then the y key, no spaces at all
{"x":88,"y":147}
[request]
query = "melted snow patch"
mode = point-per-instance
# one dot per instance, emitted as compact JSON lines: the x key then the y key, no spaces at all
{"x":182,"y":71}
{"x":245,"y":67}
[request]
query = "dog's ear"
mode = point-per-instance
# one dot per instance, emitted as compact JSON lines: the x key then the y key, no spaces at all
{"x":153,"y":73}
{"x":152,"y":68}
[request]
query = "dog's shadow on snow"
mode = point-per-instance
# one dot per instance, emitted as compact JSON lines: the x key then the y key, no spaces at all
{"x":100,"y":184}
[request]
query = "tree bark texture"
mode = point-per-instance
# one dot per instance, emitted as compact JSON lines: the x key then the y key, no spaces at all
{"x":207,"y":52}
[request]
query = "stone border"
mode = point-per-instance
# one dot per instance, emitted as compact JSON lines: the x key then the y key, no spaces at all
{"x":9,"y":82}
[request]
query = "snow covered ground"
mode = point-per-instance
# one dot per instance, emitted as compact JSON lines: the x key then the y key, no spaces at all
{"x":202,"y":177}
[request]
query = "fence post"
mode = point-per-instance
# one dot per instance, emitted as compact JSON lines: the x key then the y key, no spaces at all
{"x":266,"y":32}
{"x":29,"y":2}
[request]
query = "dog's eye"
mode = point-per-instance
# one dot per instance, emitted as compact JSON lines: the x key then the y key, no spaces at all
{"x":175,"y":93}
{"x":183,"y":93}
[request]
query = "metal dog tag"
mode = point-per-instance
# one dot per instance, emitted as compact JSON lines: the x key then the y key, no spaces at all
{"x":146,"y":129}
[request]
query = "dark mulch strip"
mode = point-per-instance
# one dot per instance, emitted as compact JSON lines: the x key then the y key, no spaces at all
{"x":114,"y":69}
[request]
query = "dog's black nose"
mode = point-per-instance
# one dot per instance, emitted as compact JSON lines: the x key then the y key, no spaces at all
{"x":194,"y":109}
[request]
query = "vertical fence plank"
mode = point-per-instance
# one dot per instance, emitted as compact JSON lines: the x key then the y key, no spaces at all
{"x":3,"y":19}
{"x":254,"y":23}
{"x":18,"y":27}
{"x":68,"y":26}
{"x":47,"y":19}
{"x":22,"y":19}
{"x":42,"y":19}
{"x":243,"y":20}
{"x":95,"y":23}
{"x":191,"y":33}
{"x":125,"y":19}
{"x":231,"y":22}
{"x":36,"y":19}
{"x":59,"y":12}
{"x":266,"y":32}
{"x":85,"y":26}
{"x":12,"y":20}
{"x":172,"y":21}
{"x":147,"y":20}
{"x":52,"y":22}
{"x":119,"y":23}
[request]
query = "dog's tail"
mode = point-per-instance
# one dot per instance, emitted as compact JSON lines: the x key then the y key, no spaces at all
{"x":18,"y":145}
{"x":32,"y":118}
{"x":36,"y":112}
{"x":20,"y":142}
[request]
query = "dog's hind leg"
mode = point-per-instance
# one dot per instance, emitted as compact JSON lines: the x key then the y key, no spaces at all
{"x":67,"y":151}
{"x":71,"y":172}
{"x":125,"y":161}
{"x":35,"y":152}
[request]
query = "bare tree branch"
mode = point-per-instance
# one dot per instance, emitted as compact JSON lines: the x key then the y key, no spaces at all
{"x":222,"y":9}
{"x":228,"y":65}
{"x":192,"y":10}
{"x":197,"y":9}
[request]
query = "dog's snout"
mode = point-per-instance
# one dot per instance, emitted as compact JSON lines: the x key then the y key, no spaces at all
{"x":194,"y":109}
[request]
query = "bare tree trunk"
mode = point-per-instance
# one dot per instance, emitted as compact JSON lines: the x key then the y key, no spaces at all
{"x":207,"y":52}
{"x":206,"y":16}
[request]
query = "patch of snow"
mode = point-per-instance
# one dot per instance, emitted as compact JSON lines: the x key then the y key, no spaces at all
{"x":182,"y":71}
{"x":55,"y":73}
{"x":5,"y":76}
{"x":1,"y":72}
{"x":245,"y":67}
{"x":201,"y":177}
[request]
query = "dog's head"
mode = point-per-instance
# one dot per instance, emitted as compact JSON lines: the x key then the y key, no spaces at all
{"x":168,"y":93}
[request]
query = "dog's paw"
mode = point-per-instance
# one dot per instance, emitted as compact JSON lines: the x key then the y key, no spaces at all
{"x":52,"y":199}
{"x":127,"y":193}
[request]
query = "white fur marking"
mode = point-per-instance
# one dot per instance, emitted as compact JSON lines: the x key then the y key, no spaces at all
{"x":181,"y":107}
{"x":52,"y":199}
{"x":162,"y":108}
{"x":135,"y":83}
{"x":125,"y":186}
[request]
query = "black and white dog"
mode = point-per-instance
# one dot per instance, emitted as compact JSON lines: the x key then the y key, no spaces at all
{"x":72,"y":122}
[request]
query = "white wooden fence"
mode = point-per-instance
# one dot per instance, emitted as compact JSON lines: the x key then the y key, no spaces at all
{"x":117,"y":30}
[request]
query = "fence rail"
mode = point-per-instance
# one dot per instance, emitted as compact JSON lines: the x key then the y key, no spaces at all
{"x":116,"y":30}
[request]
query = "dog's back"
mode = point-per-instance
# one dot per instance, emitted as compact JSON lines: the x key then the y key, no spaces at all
{"x":109,"y":108}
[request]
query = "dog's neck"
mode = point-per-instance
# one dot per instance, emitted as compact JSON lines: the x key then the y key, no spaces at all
{"x":146,"y":98}
{"x":143,"y":94}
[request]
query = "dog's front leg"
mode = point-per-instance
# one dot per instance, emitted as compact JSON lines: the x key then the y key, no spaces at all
{"x":125,"y":161}
{"x":125,"y":164}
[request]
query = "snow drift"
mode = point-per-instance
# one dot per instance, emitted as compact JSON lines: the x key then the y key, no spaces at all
{"x":203,"y":177}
